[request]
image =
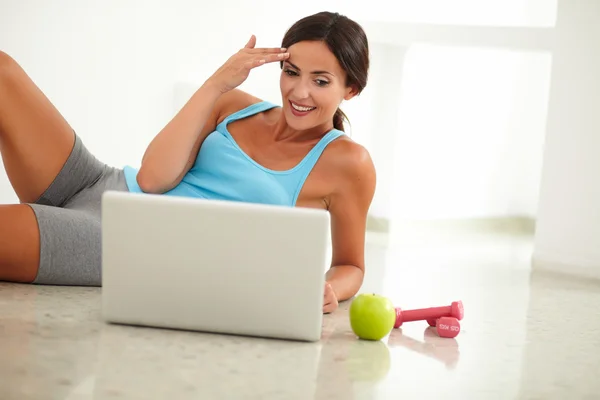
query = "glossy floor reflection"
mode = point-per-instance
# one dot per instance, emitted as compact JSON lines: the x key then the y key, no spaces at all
{"x":525,"y":336}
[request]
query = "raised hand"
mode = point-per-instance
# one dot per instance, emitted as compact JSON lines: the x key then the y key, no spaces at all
{"x":237,"y":68}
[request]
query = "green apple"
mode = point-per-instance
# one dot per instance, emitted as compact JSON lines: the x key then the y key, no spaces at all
{"x":372,"y":316}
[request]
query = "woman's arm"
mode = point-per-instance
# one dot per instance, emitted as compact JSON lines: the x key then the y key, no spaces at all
{"x":172,"y":151}
{"x":348,"y":208}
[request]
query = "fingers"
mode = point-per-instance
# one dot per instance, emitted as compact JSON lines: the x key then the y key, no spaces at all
{"x":266,"y":59}
{"x":265,"y":50}
{"x":253,"y":63}
{"x":251,"y":43}
{"x":327,"y":293}
{"x":330,"y":307}
{"x":249,"y":47}
{"x":330,"y":303}
{"x":277,"y":57}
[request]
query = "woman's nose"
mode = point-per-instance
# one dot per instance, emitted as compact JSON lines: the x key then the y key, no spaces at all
{"x":301,"y":91}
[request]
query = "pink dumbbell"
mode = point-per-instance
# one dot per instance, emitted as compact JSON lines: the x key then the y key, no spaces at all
{"x":447,"y":327}
{"x":454,"y":310}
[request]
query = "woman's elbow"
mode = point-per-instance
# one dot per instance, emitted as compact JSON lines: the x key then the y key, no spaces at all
{"x":148,"y":182}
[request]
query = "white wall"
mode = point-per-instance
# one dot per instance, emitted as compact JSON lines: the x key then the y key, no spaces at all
{"x":471,"y":130}
{"x":118,"y":70}
{"x":568,"y":227}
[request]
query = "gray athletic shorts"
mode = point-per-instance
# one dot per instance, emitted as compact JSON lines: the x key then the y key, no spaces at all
{"x":68,"y":215}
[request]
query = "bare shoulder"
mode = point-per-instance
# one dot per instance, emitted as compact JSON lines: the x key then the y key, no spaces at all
{"x":352,"y":167}
{"x":233,"y":101}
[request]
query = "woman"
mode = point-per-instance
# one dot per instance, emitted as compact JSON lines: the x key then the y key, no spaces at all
{"x":223,"y":144}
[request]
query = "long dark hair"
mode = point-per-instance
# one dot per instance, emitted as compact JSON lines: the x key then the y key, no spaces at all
{"x":345,"y":39}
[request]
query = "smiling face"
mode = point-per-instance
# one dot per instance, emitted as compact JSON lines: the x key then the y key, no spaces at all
{"x":313,"y":85}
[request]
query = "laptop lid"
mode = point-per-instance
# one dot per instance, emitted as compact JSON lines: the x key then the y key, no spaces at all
{"x":213,"y":266}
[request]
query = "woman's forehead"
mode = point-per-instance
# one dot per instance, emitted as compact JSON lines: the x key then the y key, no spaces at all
{"x":313,"y":57}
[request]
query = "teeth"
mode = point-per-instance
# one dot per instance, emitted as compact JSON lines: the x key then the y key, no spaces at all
{"x":302,"y":108}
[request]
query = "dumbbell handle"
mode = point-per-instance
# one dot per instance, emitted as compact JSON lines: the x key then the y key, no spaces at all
{"x":454,"y":310}
{"x":426,"y":313}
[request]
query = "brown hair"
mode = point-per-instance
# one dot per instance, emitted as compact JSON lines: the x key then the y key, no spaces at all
{"x":345,"y":39}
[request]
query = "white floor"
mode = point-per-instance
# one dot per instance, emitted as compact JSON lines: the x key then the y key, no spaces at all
{"x":525,"y":335}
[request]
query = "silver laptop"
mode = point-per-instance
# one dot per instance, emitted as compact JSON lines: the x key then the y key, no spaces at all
{"x":213,"y":266}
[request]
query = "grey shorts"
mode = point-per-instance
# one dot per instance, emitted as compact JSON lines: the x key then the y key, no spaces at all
{"x":68,"y":215}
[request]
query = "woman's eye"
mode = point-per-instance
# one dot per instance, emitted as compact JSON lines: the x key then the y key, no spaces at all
{"x":322,"y":82}
{"x":290,"y":72}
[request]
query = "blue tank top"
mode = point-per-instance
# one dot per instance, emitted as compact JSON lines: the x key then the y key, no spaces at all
{"x":223,"y":171}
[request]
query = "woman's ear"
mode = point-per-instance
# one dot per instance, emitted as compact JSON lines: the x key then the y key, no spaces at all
{"x":351,"y":91}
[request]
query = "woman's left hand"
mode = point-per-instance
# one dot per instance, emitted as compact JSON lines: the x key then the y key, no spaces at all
{"x":330,"y":303}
